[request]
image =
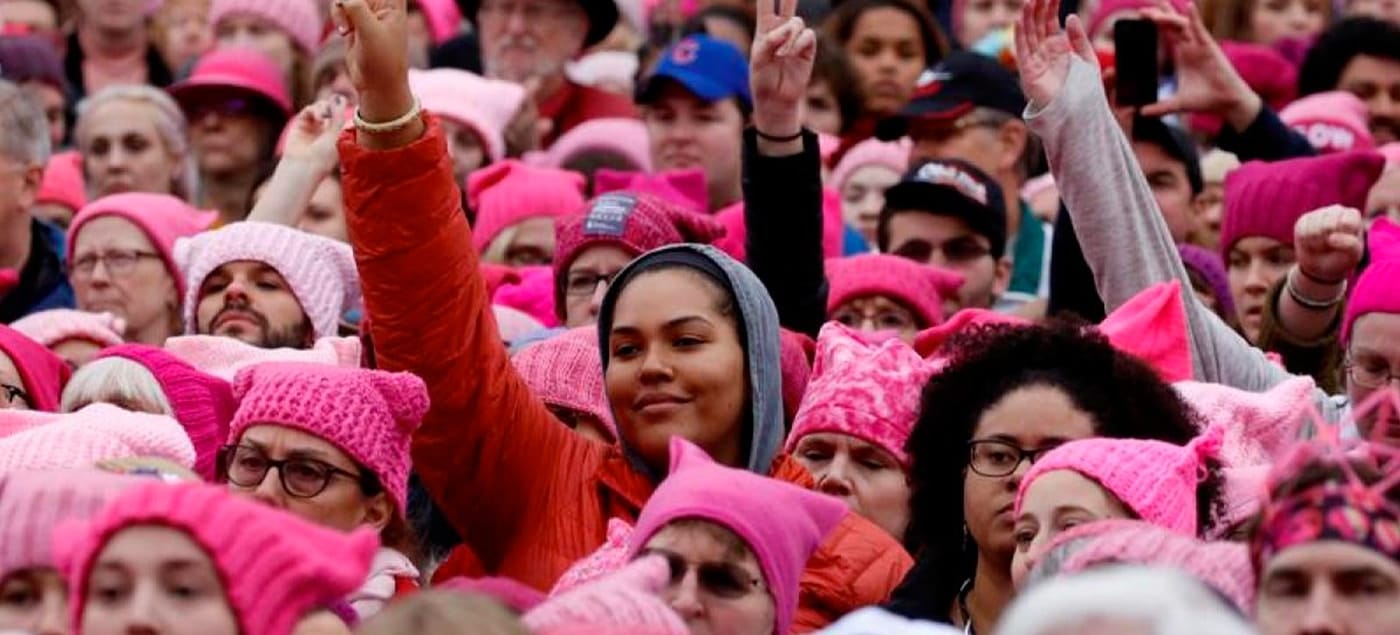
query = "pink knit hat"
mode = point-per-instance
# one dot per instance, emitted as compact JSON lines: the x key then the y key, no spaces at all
{"x":1258,"y":426}
{"x":683,"y":187}
{"x":33,"y":504}
{"x":223,"y":357}
{"x":1378,"y":288}
{"x":300,"y":19}
{"x":513,"y":594}
{"x":368,"y":414}
{"x":862,"y":389}
{"x":1242,"y":496}
{"x":484,"y":105}
{"x":610,"y":557}
{"x":514,"y":323}
{"x":626,"y":138}
{"x":42,"y":373}
{"x":920,"y":288}
{"x":795,"y":354}
{"x":240,"y":69}
{"x":162,"y":218}
{"x":531,"y":294}
{"x":63,"y":181}
{"x":443,"y":17}
{"x":1267,"y":199}
{"x":56,"y":326}
{"x":98,"y":432}
{"x":743,"y":502}
{"x":320,"y":271}
{"x":627,"y":601}
{"x":890,"y":154}
{"x":509,"y":192}
{"x":1334,"y":121}
{"x":203,"y":403}
{"x":566,"y":371}
{"x":275,"y":567}
{"x":1151,"y":326}
{"x":735,"y":239}
{"x":1133,"y":471}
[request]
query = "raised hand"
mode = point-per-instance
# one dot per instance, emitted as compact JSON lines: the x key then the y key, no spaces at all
{"x":780,"y":66}
{"x":376,"y":39}
{"x":1206,"y":81}
{"x":1329,"y":243}
{"x":313,"y":133}
{"x":1044,"y":50}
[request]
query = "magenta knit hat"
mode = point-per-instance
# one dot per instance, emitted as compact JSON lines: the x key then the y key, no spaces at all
{"x":299,"y":19}
{"x":627,"y":601}
{"x":566,"y":371}
{"x":531,"y":294}
{"x":1154,"y":479}
{"x":240,"y":69}
{"x":1378,"y":288}
{"x":484,"y":105}
{"x":626,"y":138}
{"x":56,"y":326}
{"x":862,"y":389}
{"x":368,"y":414}
{"x":275,"y":567}
{"x":1334,"y":121}
{"x":509,"y":192}
{"x":686,"y":188}
{"x":162,"y":218}
{"x":203,"y":403}
{"x":43,"y":373}
{"x":743,"y":502}
{"x":890,"y":154}
{"x":918,"y":287}
{"x":321,"y":271}
{"x":443,"y":17}
{"x":63,"y":181}
{"x":33,"y":504}
{"x":1267,"y":199}
{"x":98,"y":432}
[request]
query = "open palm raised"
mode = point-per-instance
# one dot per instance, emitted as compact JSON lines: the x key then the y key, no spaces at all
{"x":1044,"y":50}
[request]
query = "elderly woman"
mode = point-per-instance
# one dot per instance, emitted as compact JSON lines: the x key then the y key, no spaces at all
{"x":134,"y":139}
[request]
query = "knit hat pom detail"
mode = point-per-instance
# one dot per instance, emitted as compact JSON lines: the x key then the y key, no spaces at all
{"x":406,"y":396}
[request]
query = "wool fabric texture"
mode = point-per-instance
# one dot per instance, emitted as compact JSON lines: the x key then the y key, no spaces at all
{"x":223,"y":357}
{"x":1267,"y":199}
{"x":604,"y":560}
{"x":1377,"y":290}
{"x":627,"y":601}
{"x":506,"y":193}
{"x":743,"y":503}
{"x":299,"y":19}
{"x":239,"y":68}
{"x":624,"y":138}
{"x":42,"y":373}
{"x":1210,"y":267}
{"x":566,"y":372}
{"x":63,"y":182}
{"x":686,"y":188}
{"x":1258,"y":426}
{"x":486,"y":106}
{"x":162,"y":218}
{"x":33,"y":504}
{"x":893,"y":155}
{"x":98,"y":432}
{"x":1154,"y":479}
{"x":370,"y":415}
{"x":862,"y":389}
{"x":56,"y":326}
{"x":918,"y":287}
{"x":1334,"y":121}
{"x":320,"y":271}
{"x":275,"y":567}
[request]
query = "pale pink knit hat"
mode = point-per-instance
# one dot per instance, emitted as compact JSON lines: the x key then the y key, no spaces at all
{"x":63,"y":181}
{"x":484,"y":105}
{"x":320,"y":271}
{"x":866,"y":390}
{"x":34,"y":503}
{"x":1333,"y":121}
{"x":509,"y":192}
{"x":300,"y":19}
{"x":56,"y":326}
{"x":1242,"y":496}
{"x":368,"y":414}
{"x":626,"y":138}
{"x":164,"y":220}
{"x":890,"y":154}
{"x":223,"y":357}
{"x":610,"y":557}
{"x":275,"y":567}
{"x":1258,"y":426}
{"x":98,"y":432}
{"x":1155,"y":480}
{"x":566,"y":371}
{"x":627,"y":601}
{"x":743,"y":502}
{"x":919,"y":287}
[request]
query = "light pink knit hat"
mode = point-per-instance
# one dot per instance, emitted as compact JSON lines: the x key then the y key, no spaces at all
{"x":610,"y":557}
{"x":509,"y":192}
{"x":1154,"y":479}
{"x":300,"y":19}
{"x":484,"y":105}
{"x":275,"y":567}
{"x":1333,"y":121}
{"x":34,"y":503}
{"x":627,"y":601}
{"x":98,"y":432}
{"x":162,"y":218}
{"x":223,"y":357}
{"x":566,"y":371}
{"x":63,"y":181}
{"x":1258,"y":426}
{"x":686,"y":188}
{"x":890,"y":154}
{"x":368,"y":414}
{"x":626,"y":138}
{"x":320,"y":271}
{"x":919,"y":287}
{"x":862,"y":389}
{"x":56,"y":326}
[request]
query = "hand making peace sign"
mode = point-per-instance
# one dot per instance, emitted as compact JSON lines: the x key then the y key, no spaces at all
{"x":780,"y":66}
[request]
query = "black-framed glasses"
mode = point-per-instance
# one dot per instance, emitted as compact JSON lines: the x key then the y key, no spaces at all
{"x":300,"y":477}
{"x":994,"y":458}
{"x":1370,"y":375}
{"x":582,"y":284}
{"x":118,"y":262}
{"x":719,"y":579}
{"x":13,"y":393}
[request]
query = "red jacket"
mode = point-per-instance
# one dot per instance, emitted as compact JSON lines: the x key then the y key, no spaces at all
{"x":574,"y":104}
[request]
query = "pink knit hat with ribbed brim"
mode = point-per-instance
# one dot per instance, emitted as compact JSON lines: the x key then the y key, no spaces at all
{"x":275,"y":567}
{"x":98,"y":432}
{"x":484,"y":105}
{"x":164,"y":219}
{"x":566,"y":371}
{"x":33,"y":504}
{"x":1155,"y":480}
{"x":320,"y":271}
{"x":237,"y":69}
{"x":627,"y":601}
{"x":299,"y":19}
{"x":919,"y":287}
{"x":744,"y":502}
{"x":1333,"y":121}
{"x":1267,"y":199}
{"x":889,"y":154}
{"x":862,"y":389}
{"x":1258,"y":426}
{"x":56,"y":326}
{"x":509,"y":192}
{"x":223,"y":357}
{"x":1378,"y":288}
{"x":368,"y":414}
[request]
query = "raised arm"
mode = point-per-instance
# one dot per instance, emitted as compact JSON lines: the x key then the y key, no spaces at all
{"x":308,"y":157}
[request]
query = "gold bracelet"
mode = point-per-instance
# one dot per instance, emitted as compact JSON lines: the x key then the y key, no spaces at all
{"x":389,"y":126}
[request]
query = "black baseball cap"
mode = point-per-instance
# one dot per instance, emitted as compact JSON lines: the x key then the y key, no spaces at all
{"x":948,"y":187}
{"x":602,"y":17}
{"x":961,"y":82}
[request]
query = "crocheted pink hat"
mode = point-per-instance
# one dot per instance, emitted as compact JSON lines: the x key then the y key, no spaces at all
{"x":1266,"y":199}
{"x":1378,"y":288}
{"x":203,"y":403}
{"x":566,"y":371}
{"x":484,"y":105}
{"x":919,"y":287}
{"x":63,"y":181}
{"x":42,"y":373}
{"x":683,"y":187}
{"x":299,"y":19}
{"x":238,"y":68}
{"x":509,"y":192}
{"x":98,"y":432}
{"x":368,"y":414}
{"x":1333,"y":121}
{"x":890,"y":154}
{"x":223,"y":357}
{"x":162,"y":218}
{"x":610,"y":557}
{"x":743,"y":502}
{"x":275,"y":567}
{"x":56,"y":326}
{"x":626,"y":138}
{"x":33,"y":504}
{"x":862,"y":389}
{"x":1154,"y":479}
{"x":624,"y":602}
{"x":320,"y":271}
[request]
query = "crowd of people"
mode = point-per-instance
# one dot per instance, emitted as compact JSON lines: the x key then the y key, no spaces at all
{"x":733,"y":317}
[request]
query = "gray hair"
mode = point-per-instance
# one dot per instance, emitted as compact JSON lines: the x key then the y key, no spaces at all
{"x":1158,"y":601}
{"x":24,"y":130}
{"x":171,"y":125}
{"x":117,"y":381}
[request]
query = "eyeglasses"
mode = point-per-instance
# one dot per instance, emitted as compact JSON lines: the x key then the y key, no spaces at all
{"x":890,"y":319}
{"x":582,"y":284}
{"x":962,"y":249}
{"x":530,"y":11}
{"x":995,"y":459}
{"x":14,"y":394}
{"x":301,"y":477}
{"x":1370,"y":373}
{"x":118,"y":263}
{"x":722,"y":580}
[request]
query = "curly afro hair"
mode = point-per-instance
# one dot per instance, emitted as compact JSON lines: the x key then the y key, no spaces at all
{"x":1334,"y":49}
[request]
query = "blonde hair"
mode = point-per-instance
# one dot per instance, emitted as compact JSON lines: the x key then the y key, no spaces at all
{"x":444,"y":613}
{"x":1162,"y":601}
{"x":171,"y":125}
{"x":117,"y":381}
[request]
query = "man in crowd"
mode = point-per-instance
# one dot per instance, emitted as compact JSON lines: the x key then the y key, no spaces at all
{"x":31,"y":253}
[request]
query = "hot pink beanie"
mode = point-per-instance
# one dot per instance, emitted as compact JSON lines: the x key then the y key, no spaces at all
{"x":918,"y":287}
{"x":223,"y":357}
{"x":203,"y":403}
{"x":1333,"y":121}
{"x":484,"y":105}
{"x":861,"y":389}
{"x":626,"y":138}
{"x":162,"y":218}
{"x":683,"y":187}
{"x":63,"y":181}
{"x":1267,"y":199}
{"x":56,"y":326}
{"x":1154,"y":479}
{"x":275,"y":567}
{"x":443,"y":17}
{"x":743,"y":502}
{"x":33,"y":504}
{"x":42,"y":373}
{"x":735,"y":239}
{"x":509,"y":192}
{"x":890,"y":154}
{"x":320,"y":271}
{"x":368,"y":414}
{"x":1151,"y":326}
{"x":300,"y":19}
{"x":1378,"y":288}
{"x":98,"y":432}
{"x":566,"y":371}
{"x":531,"y":293}
{"x":627,"y":601}
{"x":238,"y":68}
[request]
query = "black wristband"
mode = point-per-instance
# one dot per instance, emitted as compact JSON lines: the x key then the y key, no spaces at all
{"x":776,"y":139}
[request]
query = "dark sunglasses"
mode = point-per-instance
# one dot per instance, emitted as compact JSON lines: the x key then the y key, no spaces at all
{"x":719,"y":579}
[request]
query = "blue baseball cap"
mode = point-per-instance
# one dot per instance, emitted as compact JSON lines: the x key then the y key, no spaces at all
{"x":712,"y":69}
